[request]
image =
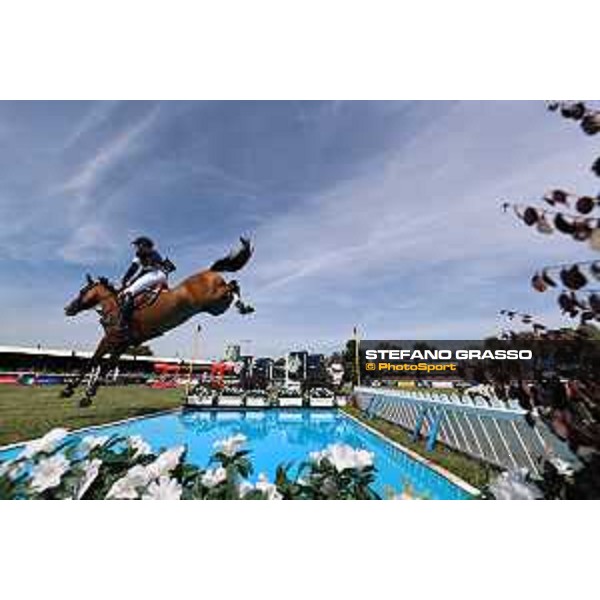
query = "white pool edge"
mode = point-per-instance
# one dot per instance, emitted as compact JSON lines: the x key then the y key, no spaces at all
{"x":451,"y":477}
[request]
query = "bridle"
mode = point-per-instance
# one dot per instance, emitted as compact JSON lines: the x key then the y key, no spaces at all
{"x":109,"y":315}
{"x":107,"y":304}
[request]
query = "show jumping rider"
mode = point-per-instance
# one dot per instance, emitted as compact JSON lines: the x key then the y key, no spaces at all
{"x":147,"y":270}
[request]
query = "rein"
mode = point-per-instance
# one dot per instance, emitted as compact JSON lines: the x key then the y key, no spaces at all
{"x":109,"y":310}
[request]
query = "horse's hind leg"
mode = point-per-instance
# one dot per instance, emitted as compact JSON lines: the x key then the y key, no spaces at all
{"x":243,"y":308}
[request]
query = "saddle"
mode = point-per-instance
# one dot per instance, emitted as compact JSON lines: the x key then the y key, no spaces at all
{"x":149,"y":297}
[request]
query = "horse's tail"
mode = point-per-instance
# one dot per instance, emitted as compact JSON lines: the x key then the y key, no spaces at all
{"x":234,"y":261}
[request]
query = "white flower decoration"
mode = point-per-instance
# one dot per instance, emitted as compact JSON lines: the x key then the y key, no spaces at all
{"x":245,"y":488}
{"x":91,"y":470}
{"x":212,"y":477}
{"x":139,"y":476}
{"x":343,"y":456}
{"x":163,"y":489}
{"x":126,"y":488}
{"x":267,"y":488}
{"x":513,"y":485}
{"x":89,"y":442}
{"x":48,"y":472}
{"x":230,"y":445}
{"x":46,"y":443}
{"x":166,"y":462}
{"x":137,"y":443}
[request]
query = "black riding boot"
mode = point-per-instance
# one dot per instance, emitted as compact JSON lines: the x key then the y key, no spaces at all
{"x":127,"y":307}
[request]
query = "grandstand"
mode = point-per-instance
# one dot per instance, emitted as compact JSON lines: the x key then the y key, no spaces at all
{"x":39,"y":365}
{"x":16,"y":361}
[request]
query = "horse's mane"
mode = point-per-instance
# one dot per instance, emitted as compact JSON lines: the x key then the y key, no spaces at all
{"x":107,"y":284}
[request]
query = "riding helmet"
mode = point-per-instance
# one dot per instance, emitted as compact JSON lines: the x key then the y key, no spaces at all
{"x":143,"y":241}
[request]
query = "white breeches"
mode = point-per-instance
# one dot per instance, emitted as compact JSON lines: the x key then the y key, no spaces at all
{"x":146,"y":281}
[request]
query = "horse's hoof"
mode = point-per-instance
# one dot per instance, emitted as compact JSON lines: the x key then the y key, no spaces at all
{"x":66,"y":393}
{"x":85,"y":402}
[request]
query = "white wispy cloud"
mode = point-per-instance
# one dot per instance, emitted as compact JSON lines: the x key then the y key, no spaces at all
{"x":98,"y":113}
{"x":91,"y":235}
{"x":81,"y":183}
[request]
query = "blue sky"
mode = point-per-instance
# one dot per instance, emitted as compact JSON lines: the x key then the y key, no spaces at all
{"x":380,"y":214}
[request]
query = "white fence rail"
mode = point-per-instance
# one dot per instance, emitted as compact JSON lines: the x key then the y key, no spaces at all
{"x":490,"y":430}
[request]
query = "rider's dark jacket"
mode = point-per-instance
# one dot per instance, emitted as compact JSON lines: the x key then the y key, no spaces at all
{"x":145,"y":261}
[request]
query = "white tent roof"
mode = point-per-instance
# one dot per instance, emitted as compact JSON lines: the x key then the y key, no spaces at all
{"x":65,"y":353}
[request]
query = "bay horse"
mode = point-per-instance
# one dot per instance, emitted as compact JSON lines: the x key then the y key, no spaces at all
{"x":204,"y":292}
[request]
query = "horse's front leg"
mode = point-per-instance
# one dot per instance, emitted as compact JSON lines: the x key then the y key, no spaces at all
{"x":72,"y":384}
{"x":92,"y":364}
{"x":100,"y":371}
{"x":91,"y":387}
{"x":94,"y":371}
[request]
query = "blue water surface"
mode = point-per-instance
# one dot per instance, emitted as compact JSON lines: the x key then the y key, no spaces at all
{"x":281,"y":436}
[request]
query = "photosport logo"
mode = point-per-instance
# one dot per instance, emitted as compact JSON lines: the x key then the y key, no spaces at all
{"x":476,"y":360}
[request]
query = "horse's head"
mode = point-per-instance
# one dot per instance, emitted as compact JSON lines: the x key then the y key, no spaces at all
{"x":90,"y":295}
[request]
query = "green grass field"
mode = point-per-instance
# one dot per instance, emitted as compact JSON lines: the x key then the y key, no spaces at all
{"x":29,"y":412}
